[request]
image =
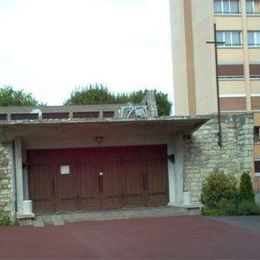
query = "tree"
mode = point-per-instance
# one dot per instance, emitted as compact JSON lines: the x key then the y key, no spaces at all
{"x":11,"y":97}
{"x":91,"y":95}
{"x":98,"y":94}
{"x":245,"y":188}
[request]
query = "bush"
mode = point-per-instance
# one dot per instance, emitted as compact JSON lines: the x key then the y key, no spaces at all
{"x":4,"y":219}
{"x":246,"y":189}
{"x":211,"y":212}
{"x":221,"y":196}
{"x":228,"y":207}
{"x":219,"y":188}
{"x":247,"y":207}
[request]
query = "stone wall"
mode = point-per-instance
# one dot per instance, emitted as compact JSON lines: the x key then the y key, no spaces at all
{"x":202,"y":155}
{"x":6,"y":187}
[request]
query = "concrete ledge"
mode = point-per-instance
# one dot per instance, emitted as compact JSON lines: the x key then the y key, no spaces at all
{"x":25,"y":216}
{"x":181,"y":205}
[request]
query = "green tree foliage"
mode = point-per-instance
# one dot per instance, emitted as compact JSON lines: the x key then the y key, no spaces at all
{"x":219,"y":189}
{"x":98,"y":94}
{"x":245,"y":188}
{"x":91,"y":95}
{"x":4,"y":219}
{"x":11,"y":97}
{"x":221,"y":196}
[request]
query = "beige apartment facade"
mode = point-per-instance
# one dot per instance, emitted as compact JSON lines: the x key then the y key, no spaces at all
{"x":238,"y":30}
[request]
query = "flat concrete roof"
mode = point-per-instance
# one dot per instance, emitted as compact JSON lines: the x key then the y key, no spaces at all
{"x":153,"y":127}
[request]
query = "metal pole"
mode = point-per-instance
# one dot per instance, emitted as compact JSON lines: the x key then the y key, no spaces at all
{"x":217,"y":82}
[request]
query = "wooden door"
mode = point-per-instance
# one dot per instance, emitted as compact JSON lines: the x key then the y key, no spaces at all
{"x":98,"y":178}
{"x":41,"y":187}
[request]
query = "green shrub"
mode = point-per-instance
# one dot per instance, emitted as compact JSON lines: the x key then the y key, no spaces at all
{"x":247,"y":207}
{"x":227,"y":208}
{"x":4,"y":219}
{"x":246,"y":189}
{"x":221,"y":196}
{"x":211,"y":212}
{"x":219,"y":188}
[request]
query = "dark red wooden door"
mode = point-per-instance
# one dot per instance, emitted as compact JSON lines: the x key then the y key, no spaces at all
{"x":41,"y":187}
{"x":81,"y":179}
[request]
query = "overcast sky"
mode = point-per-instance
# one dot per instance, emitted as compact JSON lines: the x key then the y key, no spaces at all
{"x":50,"y":47}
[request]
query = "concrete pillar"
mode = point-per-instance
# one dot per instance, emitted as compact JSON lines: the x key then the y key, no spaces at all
{"x":21,"y":188}
{"x":25,"y":178}
{"x":171,"y":176}
{"x":19,"y":175}
{"x":176,"y":172}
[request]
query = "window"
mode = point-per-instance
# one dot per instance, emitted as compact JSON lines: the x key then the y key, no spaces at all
{"x":253,"y":38}
{"x":257,"y":166}
{"x":230,"y":38}
{"x":257,"y":134}
{"x":226,"y":6}
{"x":253,"y":6}
{"x":254,"y":70}
{"x":231,"y":71}
{"x":232,"y":103}
{"x":255,"y":103}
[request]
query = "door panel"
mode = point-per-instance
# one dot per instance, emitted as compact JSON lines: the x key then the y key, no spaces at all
{"x":133,"y":183}
{"x":41,"y":187}
{"x":66,"y":189}
{"x":157,"y":182}
{"x":112,"y":195}
{"x":89,"y":186}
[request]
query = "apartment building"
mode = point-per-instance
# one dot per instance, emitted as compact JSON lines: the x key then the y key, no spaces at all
{"x":238,"y":34}
{"x":238,"y":31}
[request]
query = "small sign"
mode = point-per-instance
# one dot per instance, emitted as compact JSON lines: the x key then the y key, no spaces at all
{"x":64,"y":169}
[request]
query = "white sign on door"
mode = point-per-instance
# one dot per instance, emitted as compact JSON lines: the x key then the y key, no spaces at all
{"x":64,"y":169}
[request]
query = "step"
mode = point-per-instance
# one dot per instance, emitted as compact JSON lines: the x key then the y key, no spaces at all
{"x":57,"y":220}
{"x":38,"y":221}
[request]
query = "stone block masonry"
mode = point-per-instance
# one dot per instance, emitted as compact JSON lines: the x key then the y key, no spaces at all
{"x":6,"y":183}
{"x":202,"y":155}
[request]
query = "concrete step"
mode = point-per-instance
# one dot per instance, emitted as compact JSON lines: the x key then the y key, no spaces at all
{"x":57,"y":220}
{"x":38,"y":221}
{"x":113,"y":214}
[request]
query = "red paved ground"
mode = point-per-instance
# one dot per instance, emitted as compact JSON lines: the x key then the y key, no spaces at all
{"x":151,"y":238}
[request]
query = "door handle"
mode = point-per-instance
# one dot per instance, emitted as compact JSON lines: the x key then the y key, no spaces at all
{"x":53,"y":186}
{"x":100,"y":182}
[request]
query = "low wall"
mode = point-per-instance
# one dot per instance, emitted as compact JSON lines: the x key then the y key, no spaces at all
{"x":202,"y":155}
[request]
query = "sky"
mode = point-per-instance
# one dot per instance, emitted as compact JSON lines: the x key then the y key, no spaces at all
{"x":51,"y":47}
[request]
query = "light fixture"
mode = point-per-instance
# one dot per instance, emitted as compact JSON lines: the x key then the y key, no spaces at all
{"x":99,"y":139}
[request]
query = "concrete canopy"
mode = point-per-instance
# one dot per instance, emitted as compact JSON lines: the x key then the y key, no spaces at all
{"x":37,"y":134}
